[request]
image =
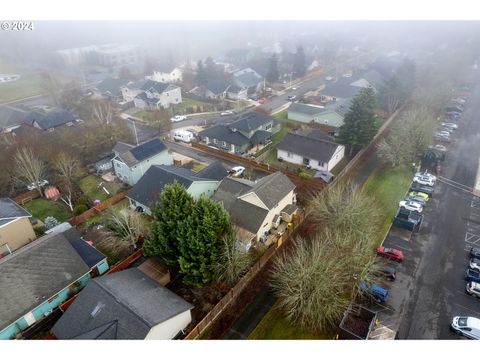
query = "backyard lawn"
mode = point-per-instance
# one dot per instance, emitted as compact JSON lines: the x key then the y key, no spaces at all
{"x":388,"y":185}
{"x":282,"y":115}
{"x":274,"y":326}
{"x":90,"y":187}
{"x":42,"y":208}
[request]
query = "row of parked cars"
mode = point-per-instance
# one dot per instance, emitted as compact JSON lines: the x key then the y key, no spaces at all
{"x":467,"y":326}
{"x":417,"y":197}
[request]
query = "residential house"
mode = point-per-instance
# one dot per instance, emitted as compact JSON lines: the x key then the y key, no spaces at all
{"x":167,"y":75}
{"x":40,"y":276}
{"x":311,"y":151}
{"x":49,"y":119}
{"x":126,"y":305}
{"x":257,"y":207}
{"x":146,"y":192}
{"x":235,"y":92}
{"x":110,"y":88}
{"x":149,"y":94}
{"x":372,"y":79}
{"x":213,"y":90}
{"x":15,"y":227}
{"x":10,"y":118}
{"x":249,"y":79}
{"x":247,"y":131}
{"x":331,"y":116}
{"x":132,"y":162}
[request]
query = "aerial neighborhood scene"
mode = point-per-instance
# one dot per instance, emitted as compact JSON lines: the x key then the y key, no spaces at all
{"x":280,"y":180}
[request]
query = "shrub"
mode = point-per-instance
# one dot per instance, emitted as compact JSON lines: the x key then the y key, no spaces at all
{"x":83,"y":200}
{"x":51,"y":222}
{"x":79,"y":208}
{"x":39,"y":230}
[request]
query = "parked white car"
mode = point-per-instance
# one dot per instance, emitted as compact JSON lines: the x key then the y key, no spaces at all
{"x":467,"y":326}
{"x":410,"y":205}
{"x":178,"y":118}
{"x":474,"y":264}
{"x":33,"y":186}
{"x":450,"y":125}
{"x":423,"y":180}
{"x":473,"y":289}
{"x":438,"y":147}
{"x":329,"y":78}
{"x":426,"y":174}
{"x":227,"y":113}
{"x":236,"y":171}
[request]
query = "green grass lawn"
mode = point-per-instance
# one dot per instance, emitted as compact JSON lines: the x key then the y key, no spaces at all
{"x":339,"y":167}
{"x":274,"y":326}
{"x":29,"y":84}
{"x":89,"y":186}
{"x":282,"y":115}
{"x":276,"y":138}
{"x":42,"y":208}
{"x":388,"y":185}
{"x":187,"y":102}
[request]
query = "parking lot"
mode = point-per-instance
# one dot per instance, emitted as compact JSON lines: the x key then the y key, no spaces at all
{"x":437,"y":256}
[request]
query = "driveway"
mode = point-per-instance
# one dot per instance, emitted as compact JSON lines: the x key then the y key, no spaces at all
{"x":440,"y":250}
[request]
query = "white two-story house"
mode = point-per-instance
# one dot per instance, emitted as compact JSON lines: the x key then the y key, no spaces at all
{"x":132,"y":162}
{"x":149,"y":94}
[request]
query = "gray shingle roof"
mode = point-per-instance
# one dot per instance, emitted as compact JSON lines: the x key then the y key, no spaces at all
{"x":122,"y":305}
{"x":142,"y":152}
{"x":217,"y":86}
{"x":223,"y":133}
{"x":250,"y":121}
{"x":247,"y":77}
{"x":143,"y":96}
{"x":50,"y":119}
{"x":111,"y":86}
{"x":341,"y":90}
{"x":10,"y":117}
{"x":34,"y":273}
{"x":308,"y":147}
{"x":154,"y":86}
{"x":260,"y":136}
{"x":215,"y":171}
{"x":242,"y":213}
{"x":121,"y":147}
{"x":148,"y":189}
{"x":10,"y":210}
{"x":272,"y":188}
{"x":306,"y":109}
{"x":315,"y":134}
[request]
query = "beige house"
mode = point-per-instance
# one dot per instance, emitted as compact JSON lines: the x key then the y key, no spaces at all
{"x":257,"y":207}
{"x":15,"y":227}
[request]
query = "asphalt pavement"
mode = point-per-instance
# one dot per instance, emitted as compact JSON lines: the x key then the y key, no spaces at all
{"x":439,"y":252}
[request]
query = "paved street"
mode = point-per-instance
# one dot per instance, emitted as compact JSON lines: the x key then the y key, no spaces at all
{"x":438,"y":254}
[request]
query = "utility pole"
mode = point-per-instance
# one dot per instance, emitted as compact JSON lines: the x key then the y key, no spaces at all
{"x":290,"y":80}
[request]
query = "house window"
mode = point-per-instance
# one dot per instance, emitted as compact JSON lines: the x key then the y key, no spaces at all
{"x":215,"y":141}
{"x":268,"y":127}
{"x":289,"y":154}
{"x":306,"y":161}
{"x":224,"y":143}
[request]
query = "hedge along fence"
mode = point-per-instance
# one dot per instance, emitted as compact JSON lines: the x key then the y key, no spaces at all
{"x":80,"y":219}
{"x":234,"y":292}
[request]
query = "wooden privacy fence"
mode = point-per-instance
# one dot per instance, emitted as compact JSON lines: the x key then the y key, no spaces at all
{"x":80,"y":219}
{"x":297,"y":180}
{"x":362,"y":154}
{"x":24,"y":198}
{"x":244,"y":281}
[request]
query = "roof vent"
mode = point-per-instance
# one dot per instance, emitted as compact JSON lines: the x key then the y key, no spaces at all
{"x":96,"y":310}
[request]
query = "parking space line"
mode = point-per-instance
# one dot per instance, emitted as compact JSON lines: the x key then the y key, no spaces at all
{"x":468,"y":309}
{"x":471,"y":238}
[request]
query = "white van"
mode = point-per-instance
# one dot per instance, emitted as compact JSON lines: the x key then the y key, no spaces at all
{"x":183,"y":135}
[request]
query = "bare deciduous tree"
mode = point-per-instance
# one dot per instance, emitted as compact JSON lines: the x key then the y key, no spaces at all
{"x":233,"y":261}
{"x":103,"y":112}
{"x":29,"y":168}
{"x":67,"y":168}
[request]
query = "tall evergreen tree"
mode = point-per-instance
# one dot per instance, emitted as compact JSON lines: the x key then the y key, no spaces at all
{"x":272,"y":74}
{"x":359,"y":126}
{"x":171,"y":213}
{"x":200,"y":246}
{"x":201,"y":75}
{"x":299,"y":62}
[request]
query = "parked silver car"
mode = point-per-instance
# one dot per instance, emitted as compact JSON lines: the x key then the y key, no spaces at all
{"x":467,"y":326}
